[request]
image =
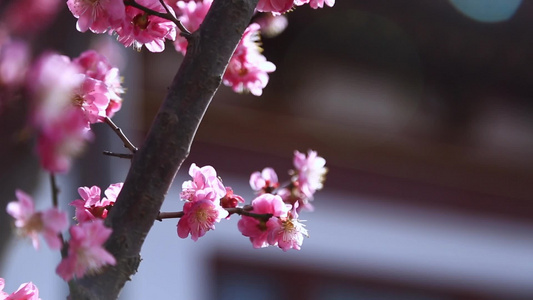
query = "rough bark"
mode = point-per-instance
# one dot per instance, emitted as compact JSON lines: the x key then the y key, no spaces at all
{"x":167,"y":145}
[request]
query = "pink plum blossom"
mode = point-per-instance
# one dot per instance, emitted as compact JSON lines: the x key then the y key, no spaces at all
{"x":92,"y":98}
{"x":140,"y":28}
{"x":265,"y":181}
{"x":275,"y":6}
{"x":60,"y":141}
{"x":3,"y":294}
{"x":30,"y":223}
{"x":288,"y":232}
{"x":204,"y":178}
{"x":199,"y":217}
{"x":52,"y":82}
{"x":26,"y":291}
{"x":248,"y":69}
{"x":86,"y":253}
{"x":191,"y":14}
{"x":230,"y":199}
{"x":112,"y":191}
{"x":315,"y":3}
{"x":272,"y":25}
{"x":257,"y":230}
{"x":91,"y":207}
{"x":310,"y":172}
{"x":97,"y":66}
{"x":97,"y":15}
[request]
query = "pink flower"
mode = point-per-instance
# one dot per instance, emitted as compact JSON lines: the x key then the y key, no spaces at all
{"x":26,"y":291}
{"x":288,"y":233}
{"x":275,"y":6}
{"x":140,"y":28}
{"x":96,"y":66}
{"x":230,"y":199}
{"x":112,"y":191}
{"x":3,"y":294}
{"x":257,"y":230}
{"x":310,"y":172}
{"x":272,"y":25}
{"x":49,"y":223}
{"x":52,"y":82}
{"x":199,"y":217}
{"x":97,"y":15}
{"x":248,"y":69}
{"x":90,"y":207}
{"x":92,"y":98}
{"x":265,"y":181}
{"x":86,"y":253}
{"x":204,"y":178}
{"x":191,"y":14}
{"x":63,"y":139}
{"x":315,"y":3}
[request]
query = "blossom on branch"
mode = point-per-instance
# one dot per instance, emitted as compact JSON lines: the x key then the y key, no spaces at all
{"x":288,"y":233}
{"x":199,"y":217}
{"x":26,"y":291}
{"x":265,"y":181}
{"x":86,"y":253}
{"x":230,"y":200}
{"x":259,"y":230}
{"x":310,"y":172}
{"x":30,"y":223}
{"x":91,"y":207}
{"x":97,"y":15}
{"x":191,"y":15}
{"x":248,"y":69}
{"x":96,"y":66}
{"x":275,"y":6}
{"x":67,"y":97}
{"x":204,"y":179}
{"x":60,"y":141}
{"x":141,"y":28}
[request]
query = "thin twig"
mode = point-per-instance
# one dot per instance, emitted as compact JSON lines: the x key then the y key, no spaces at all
{"x":55,"y":190}
{"x":244,"y":211}
{"x":169,"y":215}
{"x":184,"y":31}
{"x":121,"y":135}
{"x":55,"y":203}
{"x":169,"y":16}
{"x":119,"y":155}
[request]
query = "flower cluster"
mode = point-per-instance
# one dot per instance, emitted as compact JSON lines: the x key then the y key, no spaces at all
{"x":90,"y":207}
{"x":284,"y":203}
{"x":26,"y":291}
{"x":270,"y":219}
{"x":68,"y":96}
{"x":132,"y":25}
{"x":151,"y":22}
{"x":248,"y":69}
{"x":202,"y":208}
{"x":85,"y":248}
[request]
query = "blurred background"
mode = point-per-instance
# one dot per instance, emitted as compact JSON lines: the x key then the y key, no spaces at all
{"x":423,"y":111}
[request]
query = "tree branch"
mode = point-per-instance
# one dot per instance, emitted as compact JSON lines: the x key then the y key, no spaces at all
{"x":167,"y":145}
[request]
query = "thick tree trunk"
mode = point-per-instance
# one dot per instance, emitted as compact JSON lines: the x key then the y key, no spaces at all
{"x":167,"y":145}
